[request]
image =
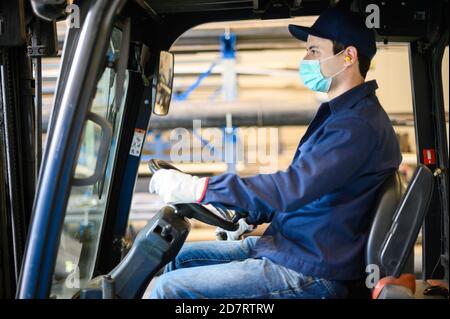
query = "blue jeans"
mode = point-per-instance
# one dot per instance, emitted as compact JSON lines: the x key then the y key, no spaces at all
{"x":224,"y":269}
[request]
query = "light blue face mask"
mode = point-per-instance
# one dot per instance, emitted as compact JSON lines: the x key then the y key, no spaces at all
{"x":312,"y":76}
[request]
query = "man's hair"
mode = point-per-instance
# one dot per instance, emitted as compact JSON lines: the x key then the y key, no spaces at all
{"x":364,"y":62}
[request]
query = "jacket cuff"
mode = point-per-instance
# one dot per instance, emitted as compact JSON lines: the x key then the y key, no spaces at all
{"x":205,"y":187}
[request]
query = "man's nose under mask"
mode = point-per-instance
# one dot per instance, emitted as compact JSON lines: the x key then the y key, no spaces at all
{"x":312,"y":76}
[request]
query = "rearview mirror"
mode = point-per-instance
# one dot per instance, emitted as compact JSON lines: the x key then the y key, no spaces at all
{"x":164,"y":83}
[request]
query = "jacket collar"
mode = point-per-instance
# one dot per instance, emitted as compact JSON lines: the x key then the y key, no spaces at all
{"x":353,"y":96}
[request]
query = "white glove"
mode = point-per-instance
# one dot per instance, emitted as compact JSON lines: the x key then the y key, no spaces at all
{"x":222,"y":234}
{"x":177,"y":187}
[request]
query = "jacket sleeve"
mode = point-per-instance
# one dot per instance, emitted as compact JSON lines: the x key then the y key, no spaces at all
{"x":337,"y":155}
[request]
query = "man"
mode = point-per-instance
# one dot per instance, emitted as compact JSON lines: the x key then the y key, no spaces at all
{"x":319,"y":208}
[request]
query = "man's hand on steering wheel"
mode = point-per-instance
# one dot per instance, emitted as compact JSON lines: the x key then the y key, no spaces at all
{"x":176,"y":187}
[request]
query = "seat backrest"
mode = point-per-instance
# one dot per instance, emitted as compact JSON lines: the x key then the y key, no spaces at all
{"x":388,"y":199}
{"x":396,"y":222}
{"x":408,"y":219}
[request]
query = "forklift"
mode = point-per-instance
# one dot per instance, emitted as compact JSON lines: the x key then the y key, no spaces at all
{"x":63,"y":220}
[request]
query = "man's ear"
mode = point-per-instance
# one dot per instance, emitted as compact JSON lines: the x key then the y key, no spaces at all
{"x":350,"y":55}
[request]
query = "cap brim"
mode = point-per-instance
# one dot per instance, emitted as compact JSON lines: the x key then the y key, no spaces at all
{"x":300,"y":32}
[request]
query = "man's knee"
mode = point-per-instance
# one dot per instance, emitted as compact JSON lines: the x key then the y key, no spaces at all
{"x":169,"y":287}
{"x":186,"y":252}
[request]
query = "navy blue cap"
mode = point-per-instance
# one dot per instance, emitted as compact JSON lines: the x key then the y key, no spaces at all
{"x":343,"y":26}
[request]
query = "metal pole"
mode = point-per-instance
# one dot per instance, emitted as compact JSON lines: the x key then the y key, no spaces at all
{"x":37,"y":64}
{"x":429,"y":153}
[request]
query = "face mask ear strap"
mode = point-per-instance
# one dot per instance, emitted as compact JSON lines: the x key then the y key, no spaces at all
{"x":339,"y":72}
{"x":330,"y":57}
{"x":344,"y":68}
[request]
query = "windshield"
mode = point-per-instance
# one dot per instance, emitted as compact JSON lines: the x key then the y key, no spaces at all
{"x":87,"y":204}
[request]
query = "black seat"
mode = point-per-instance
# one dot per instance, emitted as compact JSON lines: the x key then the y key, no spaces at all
{"x":388,"y":200}
{"x":396,"y":223}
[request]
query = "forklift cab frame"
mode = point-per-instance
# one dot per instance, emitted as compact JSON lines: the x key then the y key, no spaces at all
{"x":145,"y":28}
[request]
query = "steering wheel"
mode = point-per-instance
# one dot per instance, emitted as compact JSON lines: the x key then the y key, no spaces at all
{"x":156,"y":164}
{"x":197,"y":211}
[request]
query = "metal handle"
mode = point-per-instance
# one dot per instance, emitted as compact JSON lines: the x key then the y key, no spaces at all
{"x":102,"y":152}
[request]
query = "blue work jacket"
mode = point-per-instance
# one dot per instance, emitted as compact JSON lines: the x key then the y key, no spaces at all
{"x":320,"y":206}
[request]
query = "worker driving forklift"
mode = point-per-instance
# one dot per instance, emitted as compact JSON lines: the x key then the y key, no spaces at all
{"x":319,"y":207}
{"x":338,"y":208}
